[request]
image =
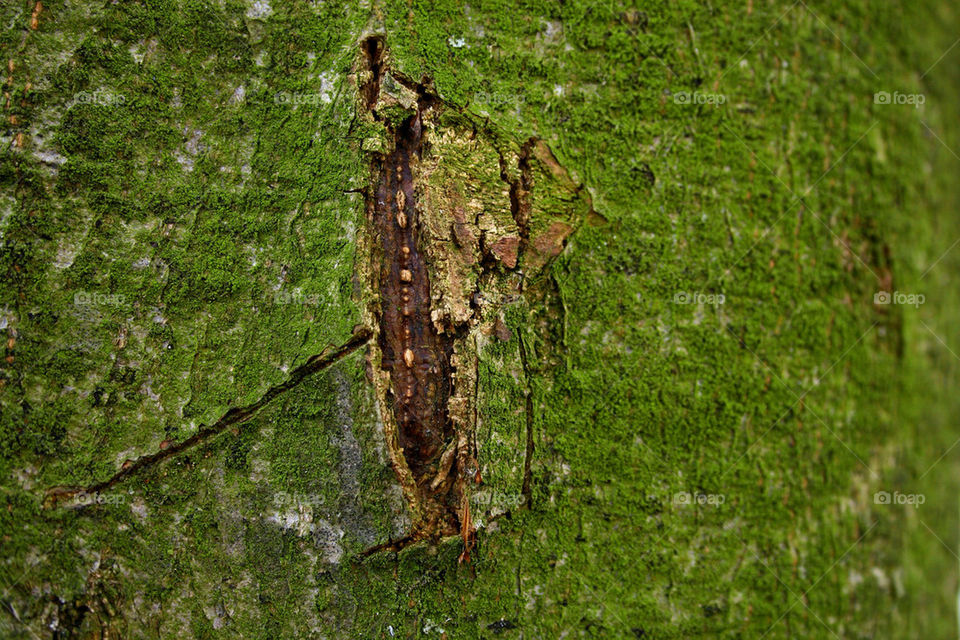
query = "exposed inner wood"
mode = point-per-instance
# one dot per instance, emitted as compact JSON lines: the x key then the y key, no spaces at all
{"x":414,"y":353}
{"x":449,"y":245}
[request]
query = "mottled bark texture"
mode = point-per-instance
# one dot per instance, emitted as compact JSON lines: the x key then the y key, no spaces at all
{"x":558,"y":320}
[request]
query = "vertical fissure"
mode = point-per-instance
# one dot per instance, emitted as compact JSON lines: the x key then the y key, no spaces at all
{"x":414,"y":352}
{"x":373,"y":50}
{"x":526,"y":488}
{"x":416,"y":355}
{"x":518,"y":190}
{"x":431,"y":214}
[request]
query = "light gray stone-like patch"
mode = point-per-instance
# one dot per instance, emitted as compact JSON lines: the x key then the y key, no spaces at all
{"x":327,"y":86}
{"x":184,"y":161}
{"x":6,"y":210}
{"x":299,"y":519}
{"x":49,"y":157}
{"x":139,"y":508}
{"x":193,"y":144}
{"x":25,"y":476}
{"x":327,"y":537}
{"x":259,"y":9}
{"x":350,"y":466}
{"x":66,"y":253}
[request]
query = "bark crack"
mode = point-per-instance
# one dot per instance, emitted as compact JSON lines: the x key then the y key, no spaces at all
{"x":526,"y":488}
{"x":434,"y":213}
{"x":237,"y":415}
{"x":519,"y":193}
{"x":416,"y":353}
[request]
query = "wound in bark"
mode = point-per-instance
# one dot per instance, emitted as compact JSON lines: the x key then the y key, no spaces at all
{"x":455,"y":232}
{"x":415,"y":354}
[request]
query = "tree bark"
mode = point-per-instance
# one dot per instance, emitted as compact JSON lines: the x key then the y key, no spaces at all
{"x":352,"y":320}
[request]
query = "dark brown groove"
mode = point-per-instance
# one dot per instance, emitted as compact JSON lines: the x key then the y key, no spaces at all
{"x":526,"y":488}
{"x":519,"y":192}
{"x":373,"y":51}
{"x":392,"y":545}
{"x":234,"y":416}
{"x":432,"y":445}
{"x":414,"y":351}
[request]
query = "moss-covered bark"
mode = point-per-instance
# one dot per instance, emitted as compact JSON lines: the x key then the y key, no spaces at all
{"x":681,"y":421}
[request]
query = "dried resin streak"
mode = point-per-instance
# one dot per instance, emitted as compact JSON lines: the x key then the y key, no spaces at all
{"x":413,"y":352}
{"x":461,"y":217}
{"x":415,"y":356}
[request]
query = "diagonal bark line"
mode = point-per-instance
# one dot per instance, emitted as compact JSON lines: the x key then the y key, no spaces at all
{"x":236,"y":415}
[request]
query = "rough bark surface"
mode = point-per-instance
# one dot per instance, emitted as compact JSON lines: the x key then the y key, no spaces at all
{"x":580,"y":319}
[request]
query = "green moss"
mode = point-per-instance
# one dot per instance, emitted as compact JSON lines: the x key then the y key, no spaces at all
{"x":796,"y":199}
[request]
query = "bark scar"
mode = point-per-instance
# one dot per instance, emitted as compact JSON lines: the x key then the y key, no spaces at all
{"x":416,"y":355}
{"x":455,"y":233}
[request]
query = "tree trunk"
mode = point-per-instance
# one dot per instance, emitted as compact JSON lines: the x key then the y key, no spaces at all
{"x":331,"y":320}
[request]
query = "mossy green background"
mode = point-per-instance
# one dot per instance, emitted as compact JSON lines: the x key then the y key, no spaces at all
{"x":201,"y":206}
